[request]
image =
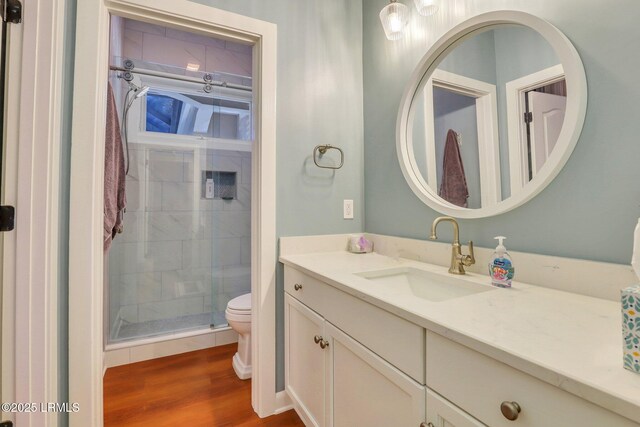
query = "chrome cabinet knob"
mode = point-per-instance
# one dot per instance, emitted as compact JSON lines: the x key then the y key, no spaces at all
{"x":297,"y":286}
{"x":510,"y":410}
{"x":426,"y":425}
{"x":317,"y":339}
{"x":324,"y":344}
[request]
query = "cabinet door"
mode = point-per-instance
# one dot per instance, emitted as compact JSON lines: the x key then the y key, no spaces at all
{"x":364,"y":390}
{"x":442,"y":413}
{"x":304,"y":362}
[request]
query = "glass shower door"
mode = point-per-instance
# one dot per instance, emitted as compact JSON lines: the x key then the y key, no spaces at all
{"x":186,"y":247}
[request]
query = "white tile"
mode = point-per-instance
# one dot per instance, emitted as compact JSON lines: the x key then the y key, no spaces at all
{"x":153,"y":196}
{"x":237,"y":279}
{"x":146,"y":286}
{"x":132,"y":48}
{"x":135,"y":201}
{"x":118,"y":357}
{"x":171,"y":347}
{"x":129,"y":313}
{"x":194,"y":38}
{"x":200,"y":279}
{"x":242,"y":202}
{"x":136,"y":164}
{"x":245,"y":250}
{"x":131,"y":24}
{"x":197,"y":254}
{"x":163,"y":50}
{"x":152,"y":256}
{"x":163,"y":226}
{"x":128,"y":292}
{"x":226,"y":337}
{"x":170,"y":309}
{"x":239,"y":47}
{"x":226,"y":252}
{"x":179,"y":196}
{"x":166,"y":166}
{"x":231,"y":224}
{"x":224,"y":163}
{"x":245,"y":176}
{"x":131,"y":227}
{"x":227,"y":61}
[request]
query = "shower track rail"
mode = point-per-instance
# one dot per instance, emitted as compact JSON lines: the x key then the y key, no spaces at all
{"x":181,"y":78}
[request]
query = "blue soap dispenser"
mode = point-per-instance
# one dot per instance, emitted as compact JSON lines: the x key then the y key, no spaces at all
{"x":500,"y":266}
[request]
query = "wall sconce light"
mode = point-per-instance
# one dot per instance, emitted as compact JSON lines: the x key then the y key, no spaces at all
{"x":426,"y":7}
{"x":394,"y":18}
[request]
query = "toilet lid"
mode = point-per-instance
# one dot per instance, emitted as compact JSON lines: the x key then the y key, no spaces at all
{"x":241,"y":303}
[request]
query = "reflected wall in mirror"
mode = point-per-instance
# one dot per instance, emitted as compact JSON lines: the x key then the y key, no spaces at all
{"x":481,"y":121}
{"x":500,"y":96}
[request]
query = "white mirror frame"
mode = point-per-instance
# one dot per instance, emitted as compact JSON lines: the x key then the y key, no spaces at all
{"x":569,"y":135}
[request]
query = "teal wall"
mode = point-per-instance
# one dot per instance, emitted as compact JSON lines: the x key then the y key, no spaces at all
{"x":590,"y":210}
{"x":319,"y":101}
{"x":63,"y":244}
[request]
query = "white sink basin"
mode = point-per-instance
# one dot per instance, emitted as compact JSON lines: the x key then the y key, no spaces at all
{"x":424,"y":284}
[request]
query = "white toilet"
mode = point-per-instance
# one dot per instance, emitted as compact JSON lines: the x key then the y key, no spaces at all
{"x":238,"y":316}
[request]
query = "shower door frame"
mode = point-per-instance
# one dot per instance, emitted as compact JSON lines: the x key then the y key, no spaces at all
{"x":86,"y":332}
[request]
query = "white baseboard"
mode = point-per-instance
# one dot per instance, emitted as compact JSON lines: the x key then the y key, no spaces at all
{"x":283,"y":402}
{"x":138,"y":351}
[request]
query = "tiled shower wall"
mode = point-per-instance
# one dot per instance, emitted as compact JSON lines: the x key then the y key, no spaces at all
{"x":153,"y":43}
{"x":180,"y":254}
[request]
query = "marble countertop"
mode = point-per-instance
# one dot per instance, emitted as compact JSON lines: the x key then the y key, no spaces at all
{"x":571,"y":341}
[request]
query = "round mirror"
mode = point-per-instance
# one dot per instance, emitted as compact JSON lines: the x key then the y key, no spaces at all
{"x":491,"y":114}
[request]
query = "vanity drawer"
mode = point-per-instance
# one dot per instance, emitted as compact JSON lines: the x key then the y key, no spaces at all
{"x":479,"y":385}
{"x":398,"y":341}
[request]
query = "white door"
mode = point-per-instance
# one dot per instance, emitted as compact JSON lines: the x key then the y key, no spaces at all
{"x":442,"y":413}
{"x":304,"y":361}
{"x":547,"y":117}
{"x":365,"y":390}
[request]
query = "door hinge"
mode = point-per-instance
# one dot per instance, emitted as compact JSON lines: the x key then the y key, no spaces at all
{"x":6,"y":424}
{"x":11,"y":12}
{"x":7,"y":223}
{"x":528,"y":117}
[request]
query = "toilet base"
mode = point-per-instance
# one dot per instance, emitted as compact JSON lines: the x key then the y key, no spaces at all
{"x":243,"y":370}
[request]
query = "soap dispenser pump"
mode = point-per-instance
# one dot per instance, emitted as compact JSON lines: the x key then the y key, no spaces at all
{"x":500,"y":266}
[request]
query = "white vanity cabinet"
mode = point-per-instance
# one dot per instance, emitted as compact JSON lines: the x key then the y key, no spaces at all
{"x":305,"y":362}
{"x":350,"y":363}
{"x":492,"y":392}
{"x":442,"y":413}
{"x":336,"y":381}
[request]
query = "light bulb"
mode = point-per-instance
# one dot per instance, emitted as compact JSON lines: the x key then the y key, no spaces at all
{"x":394,"y":18}
{"x":426,"y":7}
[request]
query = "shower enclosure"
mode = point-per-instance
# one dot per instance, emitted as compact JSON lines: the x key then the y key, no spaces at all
{"x":185,"y":105}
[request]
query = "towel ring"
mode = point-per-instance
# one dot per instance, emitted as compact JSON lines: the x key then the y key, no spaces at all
{"x":320,"y":150}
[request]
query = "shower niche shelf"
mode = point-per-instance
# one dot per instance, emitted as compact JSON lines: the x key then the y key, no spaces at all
{"x":224,"y":185}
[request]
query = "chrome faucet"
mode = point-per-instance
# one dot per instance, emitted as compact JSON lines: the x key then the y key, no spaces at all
{"x":458,"y":260}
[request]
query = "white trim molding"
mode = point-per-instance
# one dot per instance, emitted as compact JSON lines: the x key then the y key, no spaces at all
{"x":567,"y":140}
{"x":515,"y":91}
{"x":87,"y":168}
{"x":487,"y":124}
{"x":34,"y":123}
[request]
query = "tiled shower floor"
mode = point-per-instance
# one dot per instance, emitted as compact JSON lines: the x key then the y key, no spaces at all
{"x":153,"y":328}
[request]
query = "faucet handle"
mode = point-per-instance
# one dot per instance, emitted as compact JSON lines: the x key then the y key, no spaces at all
{"x":470,"y":259}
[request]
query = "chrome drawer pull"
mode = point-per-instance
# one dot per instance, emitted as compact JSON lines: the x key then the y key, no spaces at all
{"x":297,"y":287}
{"x":510,"y":410}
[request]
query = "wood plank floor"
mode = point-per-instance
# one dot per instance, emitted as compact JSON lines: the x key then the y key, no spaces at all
{"x":192,"y":389}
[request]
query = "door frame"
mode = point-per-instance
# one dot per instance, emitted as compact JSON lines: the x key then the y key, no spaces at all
{"x":487,"y":123}
{"x":33,"y":138}
{"x":87,"y":169}
{"x":516,"y":129}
